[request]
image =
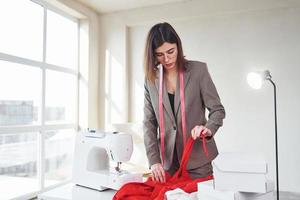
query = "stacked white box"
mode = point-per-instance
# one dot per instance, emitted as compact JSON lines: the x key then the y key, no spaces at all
{"x":241,"y":172}
{"x":206,"y":191}
{"x":238,"y":176}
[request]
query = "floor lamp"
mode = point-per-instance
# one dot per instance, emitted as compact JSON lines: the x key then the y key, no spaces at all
{"x":255,"y":80}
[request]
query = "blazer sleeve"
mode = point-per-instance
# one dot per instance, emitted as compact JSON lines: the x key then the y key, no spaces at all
{"x":150,"y":126}
{"x":211,"y":101}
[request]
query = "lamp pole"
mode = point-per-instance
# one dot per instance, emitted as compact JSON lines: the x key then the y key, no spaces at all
{"x":276,"y":139}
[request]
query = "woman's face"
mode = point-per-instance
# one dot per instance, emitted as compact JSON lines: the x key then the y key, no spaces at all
{"x":166,"y":55}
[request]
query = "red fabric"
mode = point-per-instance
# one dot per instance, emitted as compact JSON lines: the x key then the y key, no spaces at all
{"x":152,"y":190}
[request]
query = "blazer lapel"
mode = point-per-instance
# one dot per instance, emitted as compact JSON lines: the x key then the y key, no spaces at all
{"x":166,"y":101}
{"x":177,"y":101}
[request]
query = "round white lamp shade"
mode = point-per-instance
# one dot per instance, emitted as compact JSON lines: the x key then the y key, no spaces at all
{"x":255,"y":80}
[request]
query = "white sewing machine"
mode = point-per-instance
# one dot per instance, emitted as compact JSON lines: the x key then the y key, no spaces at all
{"x":95,"y":154}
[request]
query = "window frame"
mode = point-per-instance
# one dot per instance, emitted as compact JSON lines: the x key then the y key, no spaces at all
{"x":43,"y":127}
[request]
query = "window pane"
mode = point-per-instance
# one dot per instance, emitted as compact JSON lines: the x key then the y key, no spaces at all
{"x":20,"y":91}
{"x":59,"y":147}
{"x":21,"y":29}
{"x":60,"y":97}
{"x":62,"y":41}
{"x":18,"y":164}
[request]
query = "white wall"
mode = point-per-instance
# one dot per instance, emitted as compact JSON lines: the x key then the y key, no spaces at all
{"x":234,"y":38}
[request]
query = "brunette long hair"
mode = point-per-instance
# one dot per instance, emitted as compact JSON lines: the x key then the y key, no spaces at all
{"x":158,"y":34}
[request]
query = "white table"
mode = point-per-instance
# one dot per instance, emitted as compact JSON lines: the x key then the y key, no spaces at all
{"x":73,"y":192}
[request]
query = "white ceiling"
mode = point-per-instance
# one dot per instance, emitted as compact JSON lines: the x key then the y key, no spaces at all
{"x":108,"y":6}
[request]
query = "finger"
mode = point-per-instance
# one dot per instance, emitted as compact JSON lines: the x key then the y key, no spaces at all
{"x":156,"y":176}
{"x":204,"y":132}
{"x":163,"y":175}
{"x":193,"y":134}
{"x":208,"y":133}
{"x":201,"y":129}
{"x":198,"y":131}
{"x":160,"y":172}
{"x":152,"y":175}
{"x":159,"y":177}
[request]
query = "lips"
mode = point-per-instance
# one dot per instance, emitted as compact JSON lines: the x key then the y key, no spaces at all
{"x":169,"y":65}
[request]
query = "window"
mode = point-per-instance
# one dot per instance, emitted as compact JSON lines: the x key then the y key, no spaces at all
{"x":58,"y":155}
{"x":18,"y":164}
{"x":60,"y":101}
{"x":61,"y":34}
{"x":20,"y":100}
{"x":21,"y":29}
{"x":38,"y":96}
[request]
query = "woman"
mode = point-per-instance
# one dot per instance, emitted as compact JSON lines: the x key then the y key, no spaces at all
{"x":177,"y":92}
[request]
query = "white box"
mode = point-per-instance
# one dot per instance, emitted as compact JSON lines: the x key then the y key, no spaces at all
{"x":206,"y":191}
{"x":241,"y":172}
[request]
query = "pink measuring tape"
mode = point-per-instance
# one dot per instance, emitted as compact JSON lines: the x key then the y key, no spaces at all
{"x":183,"y":116}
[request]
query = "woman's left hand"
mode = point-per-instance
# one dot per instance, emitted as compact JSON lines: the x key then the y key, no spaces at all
{"x":198,"y":130}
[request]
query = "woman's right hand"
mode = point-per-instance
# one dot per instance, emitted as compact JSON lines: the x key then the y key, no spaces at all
{"x":158,"y":173}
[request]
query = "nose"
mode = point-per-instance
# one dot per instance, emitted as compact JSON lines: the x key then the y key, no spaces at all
{"x":166,"y":58}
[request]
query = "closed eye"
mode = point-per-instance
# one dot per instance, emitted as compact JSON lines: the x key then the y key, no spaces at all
{"x":171,"y":50}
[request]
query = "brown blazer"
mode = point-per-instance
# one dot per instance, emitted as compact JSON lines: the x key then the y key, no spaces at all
{"x":200,"y":93}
